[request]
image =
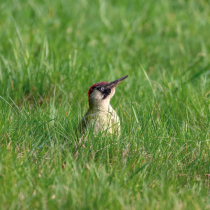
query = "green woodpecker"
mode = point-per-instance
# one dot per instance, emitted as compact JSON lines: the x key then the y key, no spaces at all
{"x":100,"y":117}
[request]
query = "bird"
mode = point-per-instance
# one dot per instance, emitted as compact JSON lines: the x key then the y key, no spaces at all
{"x":101,"y":118}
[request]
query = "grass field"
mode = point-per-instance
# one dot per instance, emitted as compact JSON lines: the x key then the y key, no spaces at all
{"x":51,"y":52}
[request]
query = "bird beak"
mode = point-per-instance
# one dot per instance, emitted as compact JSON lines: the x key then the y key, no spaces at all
{"x":116,"y":82}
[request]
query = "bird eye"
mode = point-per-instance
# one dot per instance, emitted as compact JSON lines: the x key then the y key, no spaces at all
{"x":102,"y":88}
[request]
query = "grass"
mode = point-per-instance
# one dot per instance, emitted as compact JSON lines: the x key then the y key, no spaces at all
{"x":51,"y":52}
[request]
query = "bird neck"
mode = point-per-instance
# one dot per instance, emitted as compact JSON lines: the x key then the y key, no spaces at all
{"x":103,"y":105}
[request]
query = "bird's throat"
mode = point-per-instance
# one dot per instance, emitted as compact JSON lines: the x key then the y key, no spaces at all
{"x":103,"y":105}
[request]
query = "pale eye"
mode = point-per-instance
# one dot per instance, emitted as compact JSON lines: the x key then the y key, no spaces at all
{"x":102,"y":88}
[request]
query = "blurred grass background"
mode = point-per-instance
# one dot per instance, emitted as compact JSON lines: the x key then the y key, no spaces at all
{"x":51,"y":52}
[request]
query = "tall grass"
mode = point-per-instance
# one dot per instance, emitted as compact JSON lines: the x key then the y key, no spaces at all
{"x":51,"y":52}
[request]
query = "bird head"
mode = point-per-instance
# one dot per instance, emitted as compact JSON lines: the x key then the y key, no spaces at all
{"x":101,"y":93}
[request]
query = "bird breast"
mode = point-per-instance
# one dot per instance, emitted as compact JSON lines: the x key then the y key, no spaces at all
{"x":100,"y":121}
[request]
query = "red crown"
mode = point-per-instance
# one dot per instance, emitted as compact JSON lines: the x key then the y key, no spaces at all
{"x":91,"y":88}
